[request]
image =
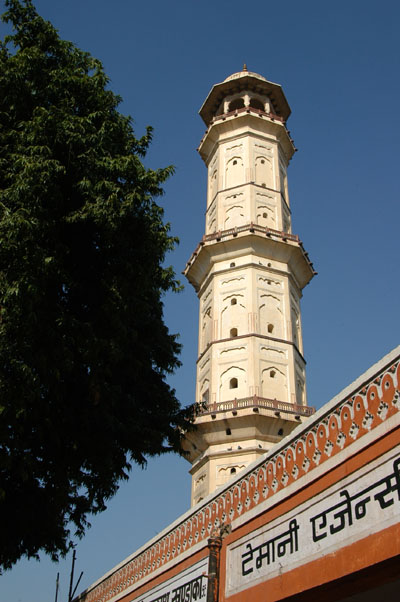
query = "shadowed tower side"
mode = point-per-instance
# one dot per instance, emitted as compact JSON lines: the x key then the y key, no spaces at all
{"x":249,"y":271}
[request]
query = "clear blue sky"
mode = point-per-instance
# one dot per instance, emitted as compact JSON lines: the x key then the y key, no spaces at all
{"x":339,"y":66}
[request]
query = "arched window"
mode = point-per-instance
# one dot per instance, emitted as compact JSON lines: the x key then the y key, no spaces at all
{"x":233,"y":333}
{"x":233,"y":383}
{"x":238,"y":103}
{"x":234,"y":176}
{"x":233,"y":470}
{"x":257,"y":104}
{"x":263,"y":171}
{"x":274,"y":383}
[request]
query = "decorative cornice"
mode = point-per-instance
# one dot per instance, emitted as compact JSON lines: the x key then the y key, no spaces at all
{"x":245,"y":336}
{"x":251,"y":228}
{"x":256,"y":116}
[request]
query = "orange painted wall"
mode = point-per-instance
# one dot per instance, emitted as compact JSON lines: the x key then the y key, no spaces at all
{"x":359,"y":555}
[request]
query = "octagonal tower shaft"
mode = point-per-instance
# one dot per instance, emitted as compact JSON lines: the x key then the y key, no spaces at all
{"x":249,"y":271}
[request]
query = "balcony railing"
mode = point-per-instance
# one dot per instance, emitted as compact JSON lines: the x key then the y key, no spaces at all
{"x":252,"y":228}
{"x":256,"y":402}
{"x":235,"y":112}
{"x":258,"y":112}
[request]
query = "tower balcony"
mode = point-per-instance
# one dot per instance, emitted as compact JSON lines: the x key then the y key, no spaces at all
{"x":255,"y":402}
{"x":246,"y":425}
{"x":269,"y":116}
{"x":246,"y":121}
{"x":249,"y":238}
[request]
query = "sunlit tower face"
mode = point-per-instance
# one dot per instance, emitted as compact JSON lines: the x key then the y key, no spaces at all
{"x":248,"y":271}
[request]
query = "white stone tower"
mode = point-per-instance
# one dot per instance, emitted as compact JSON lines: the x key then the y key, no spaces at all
{"x":248,"y":271}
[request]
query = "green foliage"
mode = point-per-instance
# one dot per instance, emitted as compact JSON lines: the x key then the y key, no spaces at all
{"x":84,"y":350}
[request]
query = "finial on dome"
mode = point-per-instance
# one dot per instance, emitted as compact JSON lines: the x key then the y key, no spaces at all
{"x":244,"y":67}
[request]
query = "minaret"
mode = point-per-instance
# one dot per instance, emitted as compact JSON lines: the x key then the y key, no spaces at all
{"x":248,"y":271}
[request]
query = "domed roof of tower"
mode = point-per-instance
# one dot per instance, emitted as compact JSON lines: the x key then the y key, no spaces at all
{"x":243,"y":73}
{"x":241,"y":81}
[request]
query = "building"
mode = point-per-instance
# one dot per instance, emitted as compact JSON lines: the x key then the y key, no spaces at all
{"x":287,"y":504}
{"x":249,"y":271}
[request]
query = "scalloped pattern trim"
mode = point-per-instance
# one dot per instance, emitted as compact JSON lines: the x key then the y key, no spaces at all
{"x":349,"y":421}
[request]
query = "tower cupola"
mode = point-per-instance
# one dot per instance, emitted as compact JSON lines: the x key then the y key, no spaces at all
{"x":244,"y":90}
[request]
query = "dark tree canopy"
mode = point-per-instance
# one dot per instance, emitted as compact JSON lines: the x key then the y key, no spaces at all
{"x":84,"y":350}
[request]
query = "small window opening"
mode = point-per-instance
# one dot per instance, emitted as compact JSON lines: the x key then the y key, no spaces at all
{"x":234,"y":162}
{"x":265,"y":214}
{"x":280,"y":432}
{"x":232,"y":265}
{"x":270,"y":328}
{"x":257,"y":104}
{"x":233,"y":383}
{"x":228,"y":431}
{"x":234,"y":332}
{"x":233,"y":301}
{"x":272,"y":374}
{"x":262,"y":161}
{"x":238,"y":103}
{"x":233,"y":470}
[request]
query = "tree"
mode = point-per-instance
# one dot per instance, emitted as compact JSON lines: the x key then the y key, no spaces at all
{"x":84,"y":351}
